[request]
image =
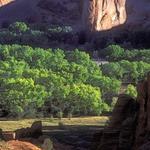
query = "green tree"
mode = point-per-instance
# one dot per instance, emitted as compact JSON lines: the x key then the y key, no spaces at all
{"x":19,"y":94}
{"x":85,"y":99}
{"x":114,"y":52}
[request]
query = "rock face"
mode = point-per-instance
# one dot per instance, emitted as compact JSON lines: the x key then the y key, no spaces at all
{"x":98,"y":15}
{"x":35,"y":131}
{"x":103,"y":14}
{"x":129,"y":127}
{"x":19,"y":145}
{"x":4,"y":2}
{"x":63,"y":12}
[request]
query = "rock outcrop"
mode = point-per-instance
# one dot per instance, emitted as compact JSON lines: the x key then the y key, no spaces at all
{"x":98,"y":15}
{"x":20,"y":145}
{"x":35,"y":131}
{"x":4,"y":2}
{"x":103,"y":14}
{"x":129,"y":127}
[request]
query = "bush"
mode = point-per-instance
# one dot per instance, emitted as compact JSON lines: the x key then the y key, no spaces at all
{"x":131,"y":90}
{"x":18,"y":27}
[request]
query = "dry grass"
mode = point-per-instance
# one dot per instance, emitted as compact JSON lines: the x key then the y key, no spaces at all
{"x":11,"y":125}
{"x":4,"y":146}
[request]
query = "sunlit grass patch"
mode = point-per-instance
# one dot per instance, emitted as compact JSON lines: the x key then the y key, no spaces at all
{"x":11,"y":125}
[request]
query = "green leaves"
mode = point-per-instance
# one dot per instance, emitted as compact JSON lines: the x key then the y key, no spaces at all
{"x":131,"y":90}
{"x":18,"y":27}
{"x":126,"y":71}
{"x":85,"y":98}
{"x":19,"y":93}
{"x":117,"y":53}
{"x":71,"y":82}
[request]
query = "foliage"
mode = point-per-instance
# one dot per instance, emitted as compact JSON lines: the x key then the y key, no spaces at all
{"x":117,"y":53}
{"x":131,"y":90}
{"x":113,"y":103}
{"x":32,"y":78}
{"x":18,"y":27}
{"x":58,"y":29}
{"x":126,"y":71}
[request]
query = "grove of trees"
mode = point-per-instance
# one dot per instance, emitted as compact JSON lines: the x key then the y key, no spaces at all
{"x":117,"y":53}
{"x":54,"y":81}
{"x":126,"y":71}
{"x":36,"y":79}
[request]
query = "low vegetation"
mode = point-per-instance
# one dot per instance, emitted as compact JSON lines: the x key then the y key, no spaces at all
{"x":12,"y":125}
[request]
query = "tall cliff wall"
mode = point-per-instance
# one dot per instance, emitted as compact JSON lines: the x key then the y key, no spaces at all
{"x":105,"y":14}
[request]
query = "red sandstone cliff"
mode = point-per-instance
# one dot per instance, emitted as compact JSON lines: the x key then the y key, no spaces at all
{"x":105,"y":14}
{"x":4,"y":2}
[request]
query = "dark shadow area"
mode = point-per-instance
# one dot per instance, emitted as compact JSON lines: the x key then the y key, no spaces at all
{"x":73,"y":135}
{"x":22,"y":10}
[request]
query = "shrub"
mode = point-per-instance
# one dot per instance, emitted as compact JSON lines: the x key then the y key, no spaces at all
{"x":131,"y":90}
{"x":18,"y":27}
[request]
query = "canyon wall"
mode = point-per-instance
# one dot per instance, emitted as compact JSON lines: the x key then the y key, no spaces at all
{"x":4,"y":2}
{"x":100,"y":15}
{"x":94,"y":15}
{"x":103,"y":14}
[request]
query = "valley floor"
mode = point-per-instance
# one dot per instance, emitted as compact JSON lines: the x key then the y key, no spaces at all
{"x":74,"y":134}
{"x":12,"y":124}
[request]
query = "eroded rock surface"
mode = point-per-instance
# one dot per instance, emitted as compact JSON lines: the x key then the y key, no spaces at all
{"x":4,"y":2}
{"x":20,"y":145}
{"x":103,"y":14}
{"x":95,"y":15}
{"x":35,"y":131}
{"x":100,"y":15}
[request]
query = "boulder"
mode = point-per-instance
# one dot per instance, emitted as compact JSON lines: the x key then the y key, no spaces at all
{"x":8,"y":135}
{"x":21,"y":145}
{"x":34,"y":131}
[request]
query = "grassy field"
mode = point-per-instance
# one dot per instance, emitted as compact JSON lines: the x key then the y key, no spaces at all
{"x":11,"y":125}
